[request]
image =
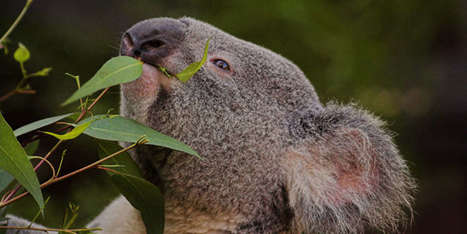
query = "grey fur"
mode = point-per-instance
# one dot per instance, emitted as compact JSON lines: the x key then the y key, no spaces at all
{"x":245,"y":123}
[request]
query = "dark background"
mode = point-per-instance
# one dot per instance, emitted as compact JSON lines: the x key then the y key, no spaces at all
{"x":405,"y":60}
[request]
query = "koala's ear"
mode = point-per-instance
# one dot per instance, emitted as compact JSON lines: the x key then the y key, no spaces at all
{"x":328,"y":174}
{"x":342,"y":165}
{"x":346,"y":174}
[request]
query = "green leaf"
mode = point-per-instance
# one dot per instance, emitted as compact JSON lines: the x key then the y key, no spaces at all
{"x":145,"y":197}
{"x":115,"y":71}
{"x":189,"y":71}
{"x":31,"y":147}
{"x":14,"y":160}
{"x":118,"y":128}
{"x":22,"y":53}
{"x":5,"y":179}
{"x":127,"y":165}
{"x":71,"y":134}
{"x":39,"y":124}
{"x":42,"y":72}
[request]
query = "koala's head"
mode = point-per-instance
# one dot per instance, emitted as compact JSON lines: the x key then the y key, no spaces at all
{"x":274,"y":155}
{"x":238,"y":76}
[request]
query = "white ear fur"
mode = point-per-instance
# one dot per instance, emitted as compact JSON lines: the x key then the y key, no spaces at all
{"x":119,"y":218}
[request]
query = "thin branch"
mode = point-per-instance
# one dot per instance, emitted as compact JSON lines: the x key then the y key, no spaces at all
{"x":18,"y":19}
{"x":48,"y":154}
{"x":84,"y":111}
{"x":92,"y":105}
{"x":95,"y":164}
{"x":52,"y":229}
{"x":16,"y":91}
{"x":8,"y":95}
{"x":13,"y":192}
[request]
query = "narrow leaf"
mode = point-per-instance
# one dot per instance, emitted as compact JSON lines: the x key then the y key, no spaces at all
{"x":5,"y":179}
{"x":42,"y":72}
{"x":115,"y":71}
{"x":145,"y":197}
{"x":118,"y":128}
{"x":189,"y":71}
{"x":123,"y":160}
{"x":39,"y":124}
{"x":14,"y":160}
{"x":22,"y":53}
{"x":31,"y":147}
{"x":73,"y":133}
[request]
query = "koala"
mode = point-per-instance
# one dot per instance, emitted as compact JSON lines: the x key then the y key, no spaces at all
{"x":275,"y":159}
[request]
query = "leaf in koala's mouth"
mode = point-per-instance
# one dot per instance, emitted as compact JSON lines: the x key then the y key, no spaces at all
{"x":117,"y":70}
{"x":185,"y":75}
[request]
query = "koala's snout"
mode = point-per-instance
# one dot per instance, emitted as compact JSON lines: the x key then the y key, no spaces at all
{"x":153,"y":39}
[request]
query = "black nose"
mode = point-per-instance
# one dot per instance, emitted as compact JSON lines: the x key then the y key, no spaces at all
{"x":153,"y":39}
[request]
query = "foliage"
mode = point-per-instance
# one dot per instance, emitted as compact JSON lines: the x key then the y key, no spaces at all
{"x":14,"y":161}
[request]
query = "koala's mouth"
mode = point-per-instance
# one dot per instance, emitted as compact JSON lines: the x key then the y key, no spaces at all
{"x":140,"y":94}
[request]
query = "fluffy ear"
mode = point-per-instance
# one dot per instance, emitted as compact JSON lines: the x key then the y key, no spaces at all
{"x":346,"y":176}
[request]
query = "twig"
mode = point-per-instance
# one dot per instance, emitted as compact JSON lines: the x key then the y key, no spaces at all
{"x":8,"y":95}
{"x":16,"y":91}
{"x":16,"y":22}
{"x":92,"y":105}
{"x":84,"y":111}
{"x":12,"y":193}
{"x":52,"y":229}
{"x":55,"y":180}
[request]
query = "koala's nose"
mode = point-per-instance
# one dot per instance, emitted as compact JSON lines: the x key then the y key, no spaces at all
{"x":152,"y":40}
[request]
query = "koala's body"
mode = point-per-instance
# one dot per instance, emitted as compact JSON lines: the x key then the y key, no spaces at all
{"x":276,"y":160}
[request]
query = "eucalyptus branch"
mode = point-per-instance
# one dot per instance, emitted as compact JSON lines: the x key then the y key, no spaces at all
{"x":57,"y":179}
{"x":83,"y":113}
{"x":13,"y":192}
{"x":16,"y":91}
{"x":51,"y":229}
{"x":86,"y":110}
{"x":16,"y":22}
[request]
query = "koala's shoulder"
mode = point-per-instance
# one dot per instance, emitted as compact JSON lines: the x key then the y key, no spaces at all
{"x":118,"y":218}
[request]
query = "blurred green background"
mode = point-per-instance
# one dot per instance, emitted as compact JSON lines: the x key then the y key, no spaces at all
{"x":405,"y":60}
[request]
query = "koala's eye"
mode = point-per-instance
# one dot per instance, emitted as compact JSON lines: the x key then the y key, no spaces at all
{"x":221,"y":64}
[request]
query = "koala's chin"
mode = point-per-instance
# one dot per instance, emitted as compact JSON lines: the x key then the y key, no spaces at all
{"x":276,"y":160}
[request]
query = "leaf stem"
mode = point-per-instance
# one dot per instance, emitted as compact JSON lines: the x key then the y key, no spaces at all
{"x":8,"y":95}
{"x":16,"y":22}
{"x":57,"y":179}
{"x":92,"y":105}
{"x":51,"y":229}
{"x":12,"y":193}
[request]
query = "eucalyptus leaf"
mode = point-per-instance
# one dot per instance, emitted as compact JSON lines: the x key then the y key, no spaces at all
{"x":128,"y":166}
{"x":31,"y":148}
{"x":22,"y":53}
{"x":118,"y":128}
{"x":39,"y":124}
{"x":42,"y":72}
{"x":5,"y":179}
{"x":145,"y":197}
{"x":189,"y":71}
{"x":115,"y":71}
{"x":13,"y":159}
{"x":78,"y":130}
